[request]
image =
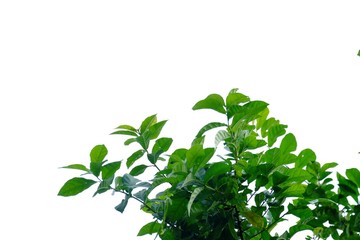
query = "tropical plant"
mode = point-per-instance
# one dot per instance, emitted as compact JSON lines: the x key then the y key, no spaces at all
{"x":250,"y":181}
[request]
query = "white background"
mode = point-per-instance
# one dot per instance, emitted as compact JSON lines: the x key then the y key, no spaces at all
{"x":71,"y":71}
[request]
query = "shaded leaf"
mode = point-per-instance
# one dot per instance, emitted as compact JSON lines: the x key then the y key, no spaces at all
{"x":109,"y":169}
{"x":121,"y":207}
{"x":213,"y":101}
{"x":255,"y":219}
{"x":75,"y":186}
{"x":194,"y":194}
{"x":221,"y":136}
{"x":98,"y":153}
{"x":215,"y":170}
{"x":210,"y":126}
{"x":298,"y":228}
{"x":135,"y":156}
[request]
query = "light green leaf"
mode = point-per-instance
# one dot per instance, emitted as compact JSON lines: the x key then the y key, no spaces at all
{"x":216,"y":169}
{"x":221,"y":136}
{"x":255,"y":219}
{"x":354,"y":175}
{"x":124,"y":132}
{"x":109,"y":169}
{"x":138,"y":170}
{"x":234,"y":98}
{"x":150,"y":228}
{"x":210,"y":126}
{"x":75,"y":186}
{"x":77,"y":167}
{"x":262,"y":118}
{"x":288,"y":143}
{"x":275,"y":132}
{"x":326,"y":166}
{"x":129,"y":141}
{"x":147,"y":123}
{"x":194,"y":194}
{"x":305,"y":156}
{"x":294,"y":190}
{"x":213,"y":101}
{"x":162,"y":144}
{"x":154,"y":130}
{"x":135,"y":156}
{"x":127,"y":127}
{"x":98,"y":153}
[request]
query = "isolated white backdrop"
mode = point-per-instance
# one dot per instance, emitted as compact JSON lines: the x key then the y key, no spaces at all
{"x":71,"y":71}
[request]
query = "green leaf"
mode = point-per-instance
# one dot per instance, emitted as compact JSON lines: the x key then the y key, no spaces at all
{"x":104,"y":186}
{"x":326,"y":166}
{"x":98,"y":153}
{"x":147,"y":123}
{"x":354,"y":175}
{"x":135,"y":156}
{"x":121,"y":207}
{"x":262,"y":118}
{"x":347,"y":187}
{"x":278,"y":178}
{"x":194,"y":194}
{"x":275,"y":132}
{"x":77,"y":166}
{"x":261,"y":180}
{"x":155,"y":130}
{"x":75,"y":186}
{"x":255,"y":219}
{"x":210,"y":126}
{"x":95,"y":168}
{"x":298,"y":228}
{"x":294,"y":190}
{"x":234,"y":98}
{"x":129,"y":182}
{"x":138,"y":170}
{"x":162,"y":144}
{"x":129,"y":141}
{"x":124,"y":132}
{"x":215,"y":170}
{"x":213,"y":101}
{"x":358,"y":53}
{"x":249,"y":112}
{"x":194,"y":155}
{"x":150,"y":228}
{"x":305,"y":156}
{"x":221,"y":136}
{"x":143,"y":140}
{"x":288,"y":143}
{"x":109,"y":169}
{"x":127,"y":127}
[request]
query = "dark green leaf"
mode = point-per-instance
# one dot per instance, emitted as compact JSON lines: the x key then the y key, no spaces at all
{"x":275,"y":132}
{"x":75,"y":186}
{"x":95,"y":168}
{"x":135,"y":156}
{"x":138,"y":170}
{"x":98,"y":153}
{"x":234,"y":98}
{"x":354,"y":175}
{"x":358,"y":53}
{"x":109,"y":169}
{"x":104,"y":186}
{"x":278,"y":178}
{"x":121,"y":207}
{"x":143,"y":140}
{"x":162,"y":144}
{"x":127,"y":127}
{"x":77,"y":166}
{"x":124,"y":132}
{"x":194,"y":194}
{"x":298,"y":228}
{"x":347,"y":187}
{"x":147,"y":123}
{"x":288,"y":143}
{"x":129,"y":182}
{"x":150,"y":228}
{"x":261,"y":181}
{"x":210,"y":126}
{"x":213,"y":101}
{"x":215,"y":170}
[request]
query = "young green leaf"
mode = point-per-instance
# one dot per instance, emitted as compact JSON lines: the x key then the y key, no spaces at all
{"x":127,"y":127}
{"x":138,"y":170}
{"x":150,"y":228}
{"x":147,"y":123}
{"x":98,"y":153}
{"x":194,"y":194}
{"x":75,"y":186}
{"x":234,"y":98}
{"x":77,"y":166}
{"x":124,"y":132}
{"x":213,"y":101}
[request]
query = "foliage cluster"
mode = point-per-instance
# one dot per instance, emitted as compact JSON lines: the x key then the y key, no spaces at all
{"x":242,"y":194}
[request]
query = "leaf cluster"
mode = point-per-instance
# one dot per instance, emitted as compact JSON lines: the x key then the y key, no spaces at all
{"x":257,"y":181}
